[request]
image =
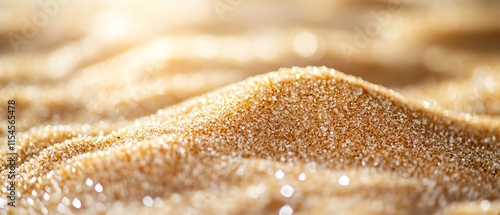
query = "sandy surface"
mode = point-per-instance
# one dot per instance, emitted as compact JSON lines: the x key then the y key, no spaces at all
{"x":129,"y":108}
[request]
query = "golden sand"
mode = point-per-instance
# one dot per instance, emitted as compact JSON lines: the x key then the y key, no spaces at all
{"x":104,"y":127}
{"x":310,"y":140}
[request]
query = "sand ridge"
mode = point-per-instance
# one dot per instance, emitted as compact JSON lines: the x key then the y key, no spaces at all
{"x":308,"y":139}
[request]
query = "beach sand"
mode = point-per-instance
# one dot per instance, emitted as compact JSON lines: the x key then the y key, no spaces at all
{"x":200,"y":115}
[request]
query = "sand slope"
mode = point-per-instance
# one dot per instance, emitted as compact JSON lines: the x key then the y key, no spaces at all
{"x":312,"y":140}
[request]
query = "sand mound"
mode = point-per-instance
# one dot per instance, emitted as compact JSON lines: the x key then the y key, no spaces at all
{"x":308,"y":140}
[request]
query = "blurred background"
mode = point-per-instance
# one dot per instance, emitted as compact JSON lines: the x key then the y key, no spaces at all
{"x":74,"y":61}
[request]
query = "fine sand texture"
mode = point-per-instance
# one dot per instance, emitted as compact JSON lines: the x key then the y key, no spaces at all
{"x":180,"y":107}
{"x":312,"y":140}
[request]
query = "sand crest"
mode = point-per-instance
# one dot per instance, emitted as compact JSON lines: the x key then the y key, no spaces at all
{"x":308,"y":140}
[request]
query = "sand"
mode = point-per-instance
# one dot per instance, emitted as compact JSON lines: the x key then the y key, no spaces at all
{"x":194,"y":116}
{"x":311,"y":140}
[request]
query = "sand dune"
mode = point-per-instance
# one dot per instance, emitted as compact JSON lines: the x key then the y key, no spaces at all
{"x":312,"y":140}
{"x":168,"y":107}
